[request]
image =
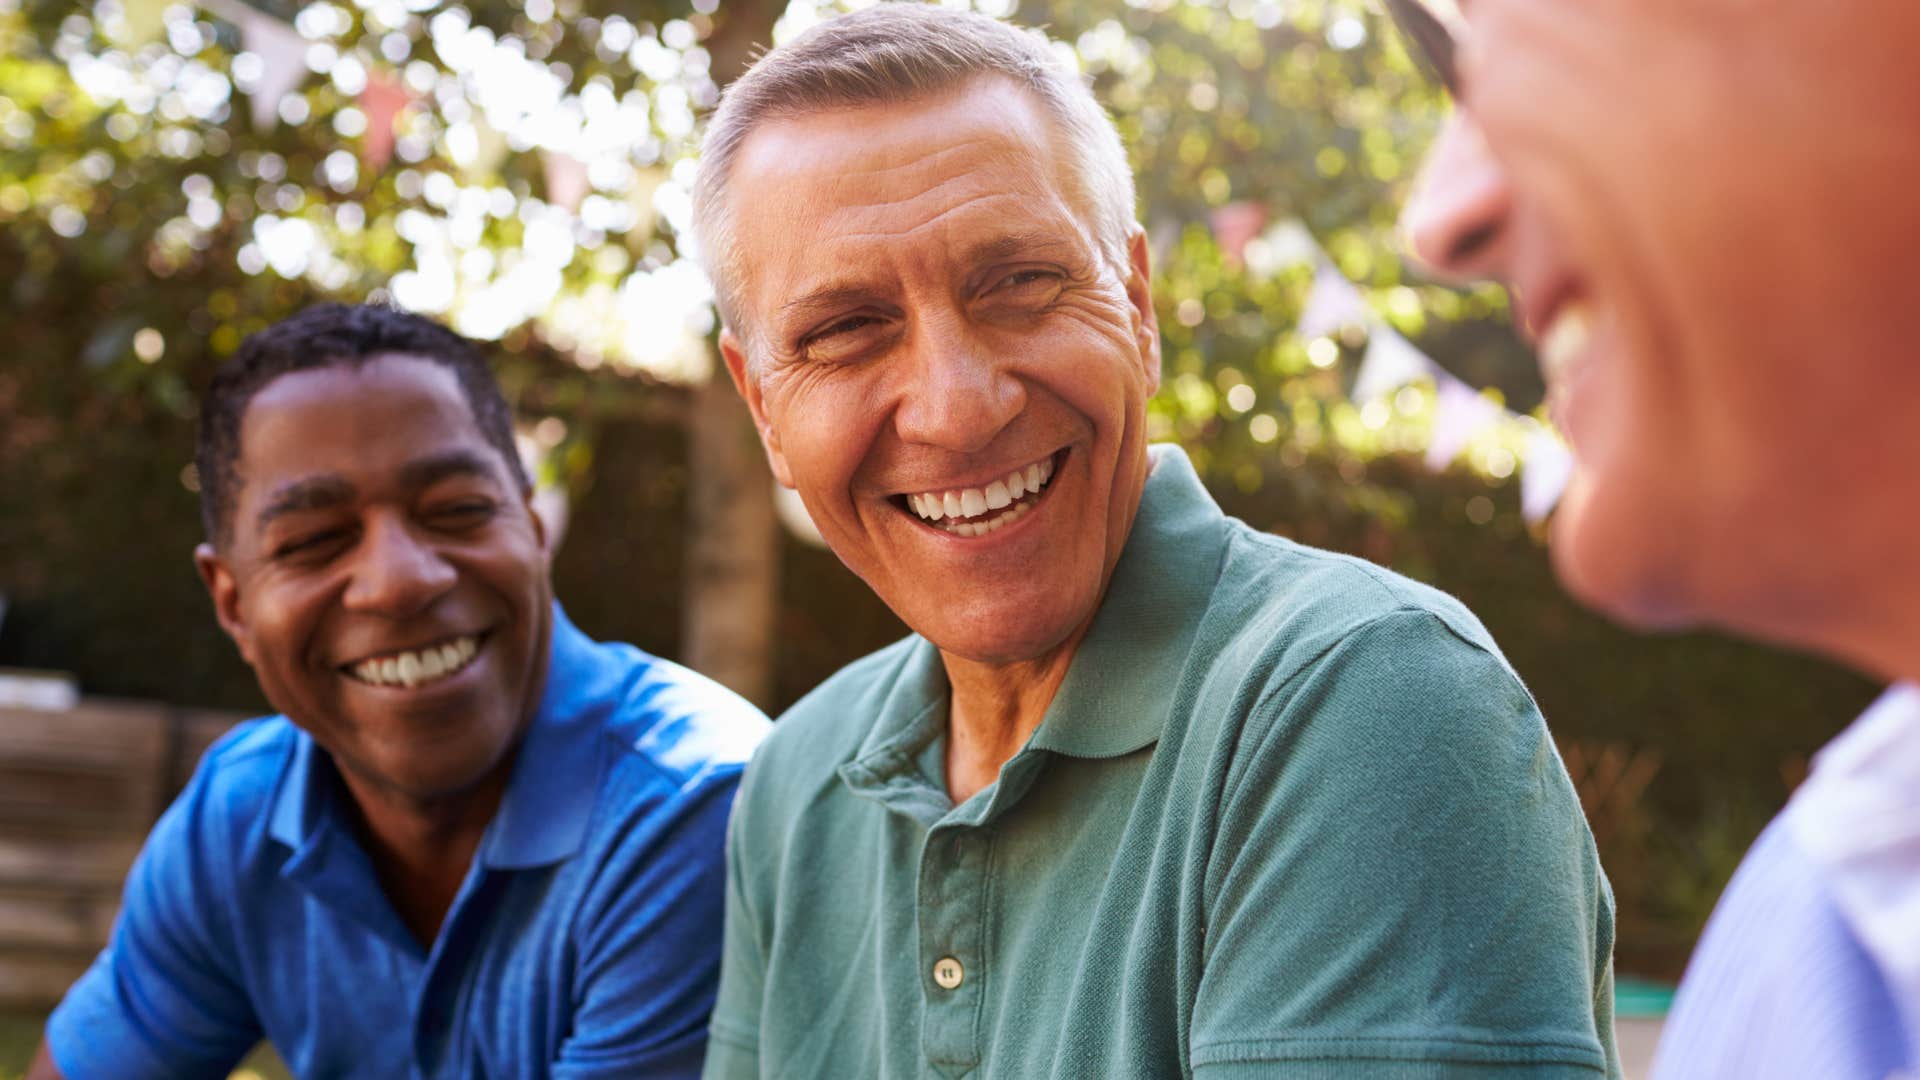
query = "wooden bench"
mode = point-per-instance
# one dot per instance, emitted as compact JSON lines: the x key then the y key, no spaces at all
{"x":79,"y":788}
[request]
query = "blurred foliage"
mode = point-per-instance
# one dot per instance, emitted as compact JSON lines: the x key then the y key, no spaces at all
{"x":535,"y":194}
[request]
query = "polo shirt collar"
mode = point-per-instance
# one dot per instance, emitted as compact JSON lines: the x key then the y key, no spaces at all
{"x":550,"y":796}
{"x":1119,"y":689}
{"x":1116,"y":696}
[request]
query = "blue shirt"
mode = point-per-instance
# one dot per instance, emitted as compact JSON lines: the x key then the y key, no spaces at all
{"x":1810,"y":966}
{"x":583,"y":942}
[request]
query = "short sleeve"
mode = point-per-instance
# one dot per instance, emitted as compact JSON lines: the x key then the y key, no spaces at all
{"x":648,"y":968}
{"x":1403,"y":884}
{"x":163,"y":999}
{"x":733,"y":1047}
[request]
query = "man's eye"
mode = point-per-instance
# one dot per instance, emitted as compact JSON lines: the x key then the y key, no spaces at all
{"x":1024,"y":278}
{"x":309,"y":545}
{"x":471,"y":512}
{"x":842,"y":339}
{"x":1032,"y":286}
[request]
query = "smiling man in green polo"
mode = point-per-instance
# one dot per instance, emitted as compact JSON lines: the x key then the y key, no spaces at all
{"x":1148,"y":793}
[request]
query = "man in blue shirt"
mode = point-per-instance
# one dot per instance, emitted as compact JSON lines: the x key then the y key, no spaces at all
{"x":1706,"y":212}
{"x":477,"y":843}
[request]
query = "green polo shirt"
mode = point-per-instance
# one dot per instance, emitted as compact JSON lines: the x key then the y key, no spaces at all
{"x":1290,"y":815}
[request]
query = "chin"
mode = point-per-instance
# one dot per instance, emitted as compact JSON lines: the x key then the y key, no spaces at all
{"x":1622,"y":564}
{"x":1002,"y":643}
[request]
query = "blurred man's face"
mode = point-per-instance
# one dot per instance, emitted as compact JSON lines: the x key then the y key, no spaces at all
{"x":943,"y":364}
{"x":385,"y":577}
{"x":1705,"y":210}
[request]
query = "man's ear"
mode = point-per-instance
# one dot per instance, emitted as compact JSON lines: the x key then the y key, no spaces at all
{"x":541,"y":534}
{"x":225,"y":592}
{"x":1146,"y":325}
{"x":735,"y":355}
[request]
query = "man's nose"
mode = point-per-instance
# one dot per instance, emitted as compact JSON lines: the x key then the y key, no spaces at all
{"x":960,"y":392}
{"x":1456,"y":223}
{"x":396,"y":573}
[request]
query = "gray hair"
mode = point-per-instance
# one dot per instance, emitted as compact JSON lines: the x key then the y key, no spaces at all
{"x":902,"y":51}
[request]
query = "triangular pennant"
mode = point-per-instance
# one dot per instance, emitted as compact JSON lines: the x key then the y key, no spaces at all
{"x":1234,"y":227}
{"x":146,"y":21}
{"x":566,"y":178}
{"x":283,"y":65}
{"x":1459,"y":413}
{"x":1332,"y":304}
{"x":1544,"y":475}
{"x":383,"y":100}
{"x":1283,"y":246}
{"x":489,"y":151}
{"x":1391,"y":363}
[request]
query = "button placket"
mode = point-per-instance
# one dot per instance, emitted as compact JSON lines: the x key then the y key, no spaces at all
{"x":952,"y":914}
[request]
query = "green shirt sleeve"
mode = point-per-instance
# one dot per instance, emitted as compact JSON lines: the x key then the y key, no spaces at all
{"x":1402,"y":883}
{"x":733,"y":1039}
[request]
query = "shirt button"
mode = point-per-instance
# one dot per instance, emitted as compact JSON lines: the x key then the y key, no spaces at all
{"x":948,"y":973}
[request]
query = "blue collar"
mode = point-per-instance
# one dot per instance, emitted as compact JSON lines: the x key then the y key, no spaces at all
{"x":550,"y":797}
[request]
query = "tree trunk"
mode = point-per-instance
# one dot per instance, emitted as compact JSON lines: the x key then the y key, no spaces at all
{"x":732,"y":597}
{"x":733,"y":551}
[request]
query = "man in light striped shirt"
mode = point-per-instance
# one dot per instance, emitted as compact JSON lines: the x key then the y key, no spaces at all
{"x":1705,"y":209}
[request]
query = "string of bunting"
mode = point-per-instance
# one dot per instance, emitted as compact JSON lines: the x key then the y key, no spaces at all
{"x":1461,"y":412}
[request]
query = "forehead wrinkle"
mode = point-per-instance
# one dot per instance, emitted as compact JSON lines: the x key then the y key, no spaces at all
{"x":934,"y":156}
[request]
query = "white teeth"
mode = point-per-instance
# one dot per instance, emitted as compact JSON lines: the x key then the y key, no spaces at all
{"x":972,"y":502}
{"x":1565,"y":341}
{"x":412,"y":669}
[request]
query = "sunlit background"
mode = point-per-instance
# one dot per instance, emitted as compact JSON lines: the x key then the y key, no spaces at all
{"x":174,"y":176}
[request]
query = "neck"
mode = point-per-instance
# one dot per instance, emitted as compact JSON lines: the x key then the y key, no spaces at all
{"x":995,"y":709}
{"x":422,"y":848}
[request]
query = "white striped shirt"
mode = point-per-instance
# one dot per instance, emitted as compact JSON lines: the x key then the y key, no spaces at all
{"x":1810,"y":966}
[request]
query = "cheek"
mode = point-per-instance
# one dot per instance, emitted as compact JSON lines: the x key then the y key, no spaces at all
{"x":824,"y":425}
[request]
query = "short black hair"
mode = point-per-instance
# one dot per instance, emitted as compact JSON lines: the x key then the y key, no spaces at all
{"x":333,"y":335}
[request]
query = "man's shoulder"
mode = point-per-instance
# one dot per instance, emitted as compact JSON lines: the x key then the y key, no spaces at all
{"x":676,"y":720}
{"x":1284,"y":609}
{"x":240,"y":772}
{"x":826,"y":728}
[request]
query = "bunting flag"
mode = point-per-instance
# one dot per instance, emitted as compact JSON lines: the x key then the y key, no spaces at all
{"x":283,"y":66}
{"x":1235,"y":225}
{"x":793,"y":514}
{"x":282,"y":53}
{"x":383,"y":100}
{"x":1391,"y":363}
{"x":145,"y":21}
{"x":489,"y":151}
{"x":1544,"y":475}
{"x":566,"y":179}
{"x":1459,"y":413}
{"x":1285,"y":245}
{"x":1332,"y":305}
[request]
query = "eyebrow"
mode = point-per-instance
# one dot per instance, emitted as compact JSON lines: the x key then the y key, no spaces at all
{"x":427,"y":471}
{"x":330,"y":490}
{"x":992,"y":249}
{"x":299,"y":496}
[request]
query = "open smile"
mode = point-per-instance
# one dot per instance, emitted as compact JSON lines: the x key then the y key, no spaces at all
{"x":423,"y":666}
{"x":977,"y":511}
